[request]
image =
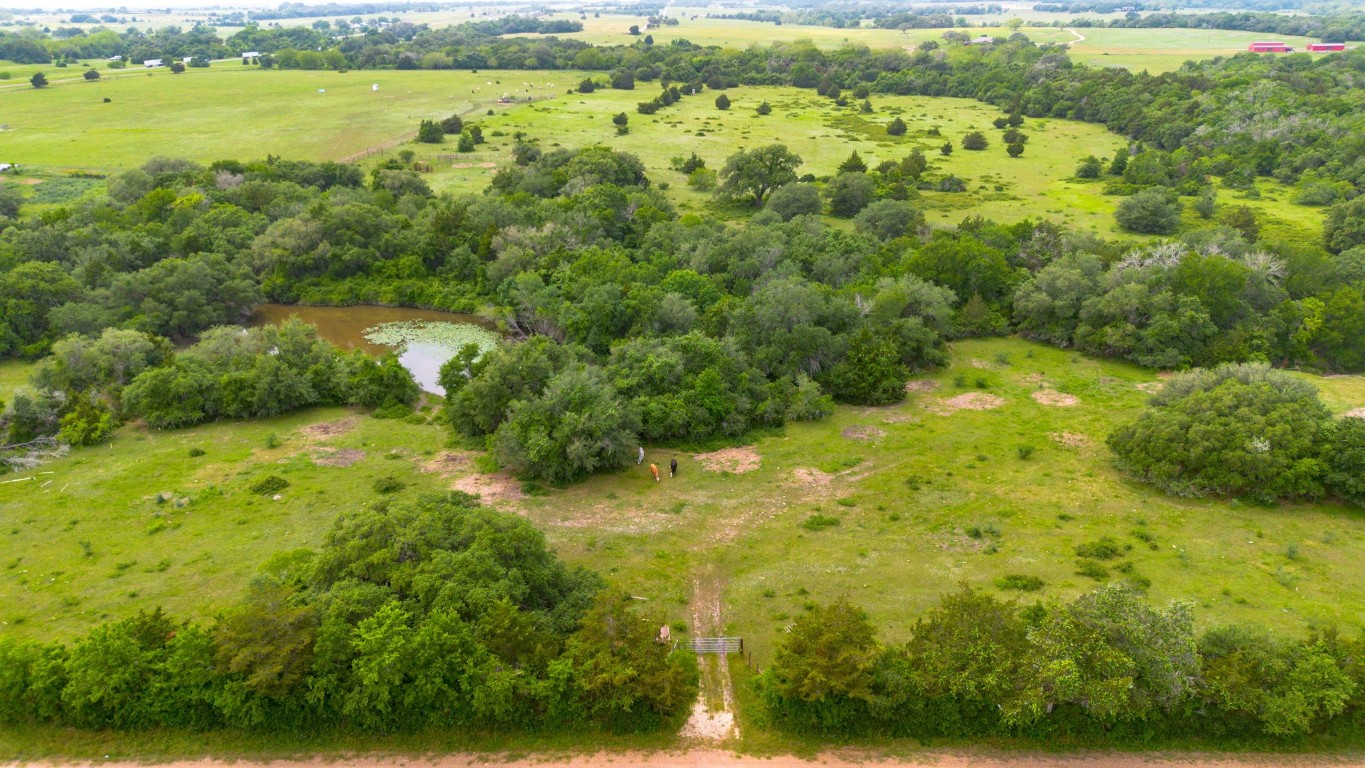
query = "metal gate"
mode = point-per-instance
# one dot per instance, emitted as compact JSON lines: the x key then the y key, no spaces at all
{"x":718,"y":644}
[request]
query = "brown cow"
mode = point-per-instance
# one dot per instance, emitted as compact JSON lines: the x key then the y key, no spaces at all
{"x":654,"y":470}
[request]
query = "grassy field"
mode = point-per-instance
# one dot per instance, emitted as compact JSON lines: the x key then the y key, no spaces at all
{"x":921,"y":498}
{"x":231,"y":111}
{"x":1037,"y":184}
{"x":139,"y":522}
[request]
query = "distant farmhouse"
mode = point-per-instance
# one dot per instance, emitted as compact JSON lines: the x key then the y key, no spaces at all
{"x":1326,"y":47}
{"x":1269,"y":48}
{"x":982,"y":40}
{"x":152,"y":63}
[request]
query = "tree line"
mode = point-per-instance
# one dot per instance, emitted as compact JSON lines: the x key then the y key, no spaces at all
{"x":425,"y":612}
{"x":1106,"y":668}
{"x":1327,"y":27}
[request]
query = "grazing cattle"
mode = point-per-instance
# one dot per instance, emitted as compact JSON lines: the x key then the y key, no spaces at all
{"x":654,"y":470}
{"x":672,"y":467}
{"x":640,"y":455}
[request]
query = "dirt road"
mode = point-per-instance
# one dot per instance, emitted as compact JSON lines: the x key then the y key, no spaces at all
{"x":712,"y":758}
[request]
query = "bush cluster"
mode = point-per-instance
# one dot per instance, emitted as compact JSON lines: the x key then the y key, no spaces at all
{"x":1244,"y":430}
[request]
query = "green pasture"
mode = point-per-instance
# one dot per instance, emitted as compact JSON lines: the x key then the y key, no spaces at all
{"x":238,"y":112}
{"x":1038,"y":184}
{"x":1163,"y":50}
{"x":139,"y":522}
{"x":921,"y":498}
{"x":231,"y":111}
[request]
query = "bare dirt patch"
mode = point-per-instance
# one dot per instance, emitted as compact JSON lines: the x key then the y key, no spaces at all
{"x":862,"y":432}
{"x":1055,"y":398}
{"x":812,"y":478}
{"x":921,"y":385}
{"x":473,"y":165}
{"x":31,"y":182}
{"x":327,"y":429}
{"x":970,"y":401}
{"x":1150,"y":387}
{"x":1036,"y":380}
{"x":491,"y":488}
{"x":736,"y":461}
{"x":1355,"y":413}
{"x":447,"y":463}
{"x":1069,"y":439}
{"x":342,"y":458}
{"x":982,"y":364}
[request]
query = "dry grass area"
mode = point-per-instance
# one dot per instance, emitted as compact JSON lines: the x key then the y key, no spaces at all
{"x":1070,"y":439}
{"x":970,"y":401}
{"x":447,"y":463}
{"x":329,"y":429}
{"x":921,"y":385}
{"x":862,"y":433}
{"x":735,"y":461}
{"x":1054,"y":398}
{"x":493,"y":488}
{"x":344,"y":457}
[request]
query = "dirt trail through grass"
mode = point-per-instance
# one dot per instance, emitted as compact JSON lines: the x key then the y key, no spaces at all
{"x":713,"y":714}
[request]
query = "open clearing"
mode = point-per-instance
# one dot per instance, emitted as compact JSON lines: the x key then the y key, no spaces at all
{"x":933,"y":500}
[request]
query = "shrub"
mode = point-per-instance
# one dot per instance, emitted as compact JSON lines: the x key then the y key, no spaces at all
{"x":388,"y":484}
{"x":1019,"y":582}
{"x":764,"y":109}
{"x":196,"y":452}
{"x":430,"y":132}
{"x":1152,"y":211}
{"x":889,"y":219}
{"x":722,"y":102}
{"x":1233,"y":430}
{"x":1091,"y":570}
{"x":1101,"y":549}
{"x":976,"y":140}
{"x":791,"y":200}
{"x":819,"y":522}
{"x":702,"y":179}
{"x":849,"y":193}
{"x":1090,"y":168}
{"x":896,"y":127}
{"x":269,"y":485}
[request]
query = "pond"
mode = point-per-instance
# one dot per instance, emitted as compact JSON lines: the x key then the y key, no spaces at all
{"x":424,"y":338}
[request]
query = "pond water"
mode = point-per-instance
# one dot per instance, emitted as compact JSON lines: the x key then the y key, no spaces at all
{"x":346,"y":327}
